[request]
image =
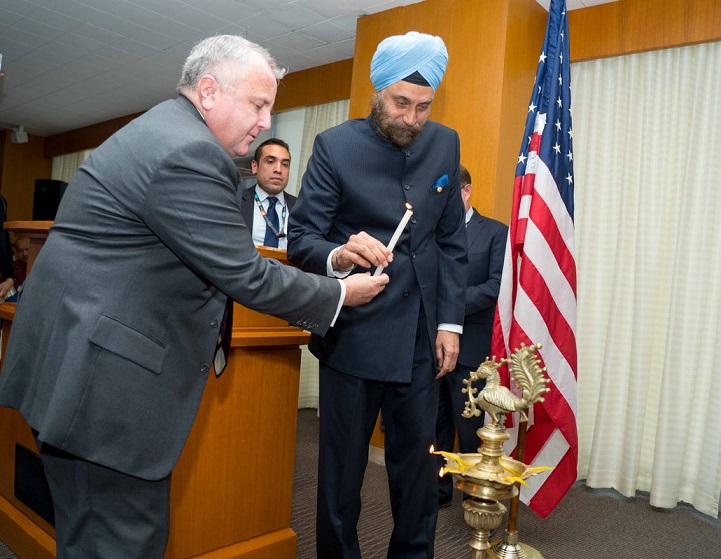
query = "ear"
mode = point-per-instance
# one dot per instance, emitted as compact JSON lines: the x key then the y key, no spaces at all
{"x":254,"y":166}
{"x":207,"y":89}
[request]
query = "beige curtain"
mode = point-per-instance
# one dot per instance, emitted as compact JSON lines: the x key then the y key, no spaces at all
{"x":646,"y":137}
{"x":317,"y":119}
{"x":64,"y":166}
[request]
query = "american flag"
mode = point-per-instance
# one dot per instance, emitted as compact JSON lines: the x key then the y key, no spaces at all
{"x":537,"y":300}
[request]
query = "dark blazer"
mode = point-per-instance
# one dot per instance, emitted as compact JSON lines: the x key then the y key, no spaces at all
{"x":486,"y":249}
{"x":113,"y":340}
{"x":247,"y":205}
{"x":355,"y":182}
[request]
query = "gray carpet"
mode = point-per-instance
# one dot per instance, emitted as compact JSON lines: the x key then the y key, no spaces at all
{"x":588,"y":524}
{"x":6,"y":553}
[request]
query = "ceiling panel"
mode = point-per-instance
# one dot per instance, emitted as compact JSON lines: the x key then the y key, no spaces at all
{"x":72,"y":63}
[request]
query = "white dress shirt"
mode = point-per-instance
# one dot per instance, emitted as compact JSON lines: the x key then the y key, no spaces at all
{"x":259,"y":221}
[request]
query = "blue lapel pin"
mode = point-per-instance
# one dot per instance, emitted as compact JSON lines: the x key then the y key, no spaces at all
{"x":440,"y":183}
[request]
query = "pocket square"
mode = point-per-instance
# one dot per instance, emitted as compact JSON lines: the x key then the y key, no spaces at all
{"x":440,"y":183}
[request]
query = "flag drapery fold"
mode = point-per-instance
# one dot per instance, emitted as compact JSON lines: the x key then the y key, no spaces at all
{"x":537,"y":299}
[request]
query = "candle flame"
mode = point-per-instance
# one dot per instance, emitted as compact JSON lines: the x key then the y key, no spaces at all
{"x":440,"y":472}
{"x":408,"y":206}
{"x":432,"y":449}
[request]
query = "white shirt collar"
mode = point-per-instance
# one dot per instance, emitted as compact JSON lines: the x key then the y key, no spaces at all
{"x":262,"y":195}
{"x":469,"y":215}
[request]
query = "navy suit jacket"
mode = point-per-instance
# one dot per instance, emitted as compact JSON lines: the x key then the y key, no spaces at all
{"x":113,"y":338}
{"x":356,"y":181}
{"x":486,"y":249}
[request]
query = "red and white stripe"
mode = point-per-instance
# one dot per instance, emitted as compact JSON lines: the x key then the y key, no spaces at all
{"x":537,"y":304}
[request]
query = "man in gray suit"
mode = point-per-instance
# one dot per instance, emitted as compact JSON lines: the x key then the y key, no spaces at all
{"x":387,"y":355}
{"x":486,"y":248}
{"x":266,"y":205}
{"x":112,"y":343}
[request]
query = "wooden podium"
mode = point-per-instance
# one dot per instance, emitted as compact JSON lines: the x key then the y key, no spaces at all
{"x":232,"y":488}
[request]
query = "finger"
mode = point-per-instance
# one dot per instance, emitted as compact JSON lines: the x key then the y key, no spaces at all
{"x":368,"y":250}
{"x":367,"y":259}
{"x":439,"y":358}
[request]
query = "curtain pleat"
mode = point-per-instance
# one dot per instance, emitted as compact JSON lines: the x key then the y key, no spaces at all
{"x":646,"y":131}
{"x":317,"y":119}
{"x":64,"y":166}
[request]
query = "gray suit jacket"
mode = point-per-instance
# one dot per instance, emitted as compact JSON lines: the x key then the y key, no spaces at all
{"x":486,"y":249}
{"x":113,"y":339}
{"x":356,"y":181}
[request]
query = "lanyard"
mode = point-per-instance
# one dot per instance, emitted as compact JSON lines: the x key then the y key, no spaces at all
{"x":277,"y":233}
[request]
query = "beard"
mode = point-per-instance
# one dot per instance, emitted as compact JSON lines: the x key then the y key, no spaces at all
{"x":396,"y":132}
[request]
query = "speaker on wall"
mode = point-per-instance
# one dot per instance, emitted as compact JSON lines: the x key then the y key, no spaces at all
{"x":48,"y":193}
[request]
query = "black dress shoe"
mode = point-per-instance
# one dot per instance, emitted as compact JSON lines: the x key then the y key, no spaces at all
{"x":445,"y":502}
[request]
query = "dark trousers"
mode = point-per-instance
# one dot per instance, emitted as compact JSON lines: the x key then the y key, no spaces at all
{"x":349,"y":408}
{"x":451,"y":403}
{"x":103,"y":514}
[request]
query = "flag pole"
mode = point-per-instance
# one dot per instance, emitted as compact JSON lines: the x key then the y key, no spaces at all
{"x":509,"y":547}
{"x":537,"y":296}
{"x":520,"y":452}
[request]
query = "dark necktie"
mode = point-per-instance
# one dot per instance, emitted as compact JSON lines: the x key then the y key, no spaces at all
{"x":271,"y":237}
{"x":222,"y":350}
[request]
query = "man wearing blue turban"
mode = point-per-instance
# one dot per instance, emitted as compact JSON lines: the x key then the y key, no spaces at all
{"x":389,"y":354}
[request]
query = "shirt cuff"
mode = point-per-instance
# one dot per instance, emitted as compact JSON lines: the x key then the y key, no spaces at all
{"x":340,"y":303}
{"x":336,"y":273}
{"x":457,"y":328}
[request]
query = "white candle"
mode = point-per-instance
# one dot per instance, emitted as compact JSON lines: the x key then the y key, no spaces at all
{"x":397,"y":234}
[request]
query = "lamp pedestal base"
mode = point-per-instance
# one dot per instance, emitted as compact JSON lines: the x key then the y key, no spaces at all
{"x":483,"y":516}
{"x":510,"y":548}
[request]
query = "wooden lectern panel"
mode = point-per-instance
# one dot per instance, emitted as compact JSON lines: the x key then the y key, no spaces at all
{"x":24,"y":531}
{"x":234,"y":480}
{"x":232,"y":489}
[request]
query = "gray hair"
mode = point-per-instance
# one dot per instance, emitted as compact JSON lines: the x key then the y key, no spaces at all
{"x":210,"y":56}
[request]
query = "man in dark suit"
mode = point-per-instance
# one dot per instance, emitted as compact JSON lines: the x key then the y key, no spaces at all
{"x":388,"y":355}
{"x":266,"y":205}
{"x":486,"y":248}
{"x":113,"y":342}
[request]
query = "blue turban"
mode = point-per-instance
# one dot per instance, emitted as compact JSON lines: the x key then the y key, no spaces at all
{"x":399,"y":56}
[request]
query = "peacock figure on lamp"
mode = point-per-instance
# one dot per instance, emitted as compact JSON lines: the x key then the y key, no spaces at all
{"x":490,"y":475}
{"x":495,"y":399}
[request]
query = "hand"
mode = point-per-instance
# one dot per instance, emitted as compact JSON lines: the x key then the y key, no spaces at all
{"x":361,"y":288}
{"x":447,"y":347}
{"x":362,"y":250}
{"x":5,"y":286}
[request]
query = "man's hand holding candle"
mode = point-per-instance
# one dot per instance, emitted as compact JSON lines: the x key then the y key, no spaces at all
{"x":362,"y":288}
{"x":361,"y":250}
